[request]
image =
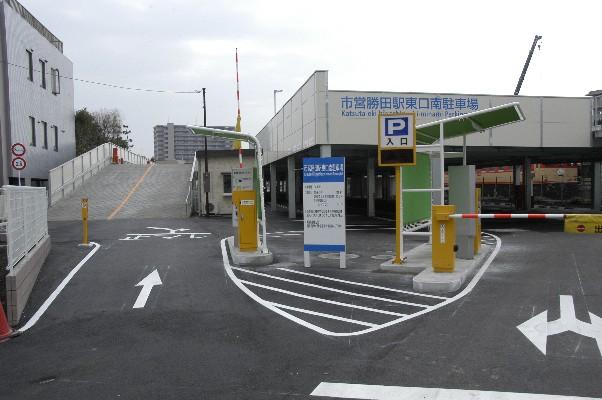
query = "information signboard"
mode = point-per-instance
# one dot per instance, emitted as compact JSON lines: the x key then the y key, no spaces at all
{"x":324,"y":204}
{"x":242,"y":179}
{"x":396,"y":139}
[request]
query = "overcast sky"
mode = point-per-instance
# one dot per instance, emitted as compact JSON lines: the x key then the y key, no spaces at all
{"x":476,"y":47}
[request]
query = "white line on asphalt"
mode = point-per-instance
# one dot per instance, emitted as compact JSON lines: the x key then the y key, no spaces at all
{"x":320,"y":330}
{"x":366,"y":296}
{"x":362,"y":284}
{"x":304,"y":296}
{"x":329,"y":316}
{"x":151,"y":280}
{"x":34,"y":319}
{"x":379,"y":392}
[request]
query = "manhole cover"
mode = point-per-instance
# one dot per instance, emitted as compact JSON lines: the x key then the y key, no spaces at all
{"x":335,"y":256}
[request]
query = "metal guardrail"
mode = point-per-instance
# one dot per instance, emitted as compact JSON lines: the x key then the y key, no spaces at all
{"x":25,"y":210}
{"x":67,"y":177}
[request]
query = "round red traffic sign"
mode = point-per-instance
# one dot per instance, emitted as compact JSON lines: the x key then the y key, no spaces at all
{"x":19,"y":163}
{"x":580,"y":228}
{"x":18,"y":149}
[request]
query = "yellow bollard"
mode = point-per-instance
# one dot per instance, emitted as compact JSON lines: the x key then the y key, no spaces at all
{"x":85,"y":220}
{"x":444,"y":239}
{"x":477,"y":234}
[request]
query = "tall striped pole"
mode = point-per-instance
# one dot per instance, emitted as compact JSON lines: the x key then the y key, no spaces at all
{"x":237,"y":144}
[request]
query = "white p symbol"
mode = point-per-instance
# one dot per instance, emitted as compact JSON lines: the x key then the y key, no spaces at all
{"x":395,"y":127}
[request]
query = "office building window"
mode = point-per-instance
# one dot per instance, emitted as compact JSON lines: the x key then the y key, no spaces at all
{"x":45,"y":133}
{"x":43,"y":72}
{"x":56,"y":138}
{"x":30,"y":65}
{"x":56,"y":80}
{"x":227,"y":178}
{"x":32,"y":122}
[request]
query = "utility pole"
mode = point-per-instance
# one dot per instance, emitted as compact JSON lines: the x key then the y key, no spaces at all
{"x":206,"y":177}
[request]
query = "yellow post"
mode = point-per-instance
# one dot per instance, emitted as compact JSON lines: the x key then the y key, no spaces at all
{"x":398,"y":218}
{"x":85,"y":219}
{"x":477,"y":235}
{"x":444,"y":239}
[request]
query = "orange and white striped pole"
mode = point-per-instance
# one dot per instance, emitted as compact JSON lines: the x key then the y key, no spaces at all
{"x":237,"y":143}
{"x":507,"y":216}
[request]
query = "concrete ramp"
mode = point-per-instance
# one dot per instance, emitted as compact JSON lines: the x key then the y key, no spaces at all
{"x":129,"y":191}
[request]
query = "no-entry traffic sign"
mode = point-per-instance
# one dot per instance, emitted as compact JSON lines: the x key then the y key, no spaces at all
{"x":18,"y":149}
{"x":19,"y":163}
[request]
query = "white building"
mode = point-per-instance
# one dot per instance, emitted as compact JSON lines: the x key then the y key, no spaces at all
{"x":36,"y":96}
{"x":317,"y":121}
{"x":176,"y":142}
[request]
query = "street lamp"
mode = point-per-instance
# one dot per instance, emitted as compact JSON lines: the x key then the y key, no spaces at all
{"x":276,"y":91}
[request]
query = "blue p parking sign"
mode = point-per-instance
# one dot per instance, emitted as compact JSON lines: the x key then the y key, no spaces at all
{"x":397,"y":126}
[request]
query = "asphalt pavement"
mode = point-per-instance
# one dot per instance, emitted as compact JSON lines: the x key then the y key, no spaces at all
{"x":198,"y":335}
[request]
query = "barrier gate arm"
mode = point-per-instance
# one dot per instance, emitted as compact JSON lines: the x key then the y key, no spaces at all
{"x":230,"y":135}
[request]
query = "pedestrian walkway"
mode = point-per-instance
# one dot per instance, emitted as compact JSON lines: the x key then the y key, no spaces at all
{"x":129,"y":191}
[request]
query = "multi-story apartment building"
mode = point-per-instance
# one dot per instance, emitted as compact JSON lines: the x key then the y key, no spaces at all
{"x":176,"y":142}
{"x":36,"y":96}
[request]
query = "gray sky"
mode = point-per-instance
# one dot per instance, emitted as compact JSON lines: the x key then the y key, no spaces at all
{"x":423,"y":46}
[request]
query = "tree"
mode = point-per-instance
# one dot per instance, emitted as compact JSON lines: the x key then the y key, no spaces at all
{"x":95,"y":128}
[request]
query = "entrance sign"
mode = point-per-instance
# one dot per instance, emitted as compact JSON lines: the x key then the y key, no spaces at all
{"x":242,"y":179}
{"x":396,"y":139}
{"x":324,"y":206}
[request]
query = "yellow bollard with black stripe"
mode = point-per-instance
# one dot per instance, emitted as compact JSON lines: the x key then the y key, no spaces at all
{"x":85,"y":221}
{"x":444,"y":239}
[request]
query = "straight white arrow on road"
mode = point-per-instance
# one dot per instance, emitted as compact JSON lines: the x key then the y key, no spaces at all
{"x":152,"y":279}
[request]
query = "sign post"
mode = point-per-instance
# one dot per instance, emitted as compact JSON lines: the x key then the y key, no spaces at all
{"x":18,"y":162}
{"x":324,"y":207}
{"x":396,"y":148}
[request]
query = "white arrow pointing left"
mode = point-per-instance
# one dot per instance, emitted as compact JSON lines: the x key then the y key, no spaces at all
{"x":153,"y":279}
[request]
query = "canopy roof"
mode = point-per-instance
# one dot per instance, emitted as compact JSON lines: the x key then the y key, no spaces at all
{"x":470,"y":123}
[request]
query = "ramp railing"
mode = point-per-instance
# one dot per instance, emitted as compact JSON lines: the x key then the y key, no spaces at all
{"x":192,"y":196}
{"x":25,"y":220}
{"x":67,"y":177}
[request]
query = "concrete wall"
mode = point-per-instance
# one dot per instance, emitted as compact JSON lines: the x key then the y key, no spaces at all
{"x":302,"y":122}
{"x":21,"y":280}
{"x":27,"y":98}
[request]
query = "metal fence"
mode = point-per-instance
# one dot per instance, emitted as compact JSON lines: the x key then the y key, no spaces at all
{"x":25,"y":212}
{"x":65,"y":178}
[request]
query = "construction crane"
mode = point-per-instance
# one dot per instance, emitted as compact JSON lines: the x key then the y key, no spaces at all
{"x":522,"y":75}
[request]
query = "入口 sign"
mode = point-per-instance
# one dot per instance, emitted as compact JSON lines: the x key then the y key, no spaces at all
{"x":324,"y":204}
{"x":396,"y":139}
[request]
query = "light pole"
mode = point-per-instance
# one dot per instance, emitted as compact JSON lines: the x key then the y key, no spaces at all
{"x":276,"y":91}
{"x":206,"y":180}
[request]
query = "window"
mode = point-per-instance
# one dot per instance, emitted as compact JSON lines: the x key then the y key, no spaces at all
{"x":227,"y":178}
{"x":45,"y":131}
{"x":30,"y":65}
{"x":56,"y":80}
{"x":32,"y":122}
{"x":56,"y":138}
{"x":43,"y":72}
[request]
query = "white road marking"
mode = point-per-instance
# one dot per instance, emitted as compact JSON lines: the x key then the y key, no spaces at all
{"x":337,"y":303}
{"x":34,"y":319}
{"x":366,"y":296}
{"x":379,"y":392}
{"x":329,"y":316}
{"x":471,"y":285}
{"x":362,"y":284}
{"x":151,"y":280}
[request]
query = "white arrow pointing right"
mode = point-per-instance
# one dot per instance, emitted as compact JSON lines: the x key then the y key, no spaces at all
{"x":152,"y":279}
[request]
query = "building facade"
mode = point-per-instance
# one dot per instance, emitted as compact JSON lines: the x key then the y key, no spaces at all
{"x":36,"y":96}
{"x":318,"y":122}
{"x":176,"y":142}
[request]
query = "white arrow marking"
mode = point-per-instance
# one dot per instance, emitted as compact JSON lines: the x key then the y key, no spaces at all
{"x":153,"y":279}
{"x":537,"y":329}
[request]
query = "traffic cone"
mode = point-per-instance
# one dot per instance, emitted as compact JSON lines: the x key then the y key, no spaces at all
{"x":5,"y":329}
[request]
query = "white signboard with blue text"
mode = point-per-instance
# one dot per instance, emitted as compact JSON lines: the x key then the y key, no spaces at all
{"x":324,"y":206}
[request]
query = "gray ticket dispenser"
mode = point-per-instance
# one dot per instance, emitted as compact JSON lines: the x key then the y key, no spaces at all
{"x":462,"y":195}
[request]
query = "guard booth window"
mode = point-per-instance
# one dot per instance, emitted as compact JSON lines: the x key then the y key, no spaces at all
{"x":227,"y":178}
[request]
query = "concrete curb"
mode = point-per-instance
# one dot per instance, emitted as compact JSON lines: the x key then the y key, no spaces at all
{"x":447,"y":282}
{"x":248,"y":258}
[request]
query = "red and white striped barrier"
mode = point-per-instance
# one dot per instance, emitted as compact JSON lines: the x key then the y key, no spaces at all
{"x":507,"y":216}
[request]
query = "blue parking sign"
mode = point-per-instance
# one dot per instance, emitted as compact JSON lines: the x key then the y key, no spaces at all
{"x":396,"y":126}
